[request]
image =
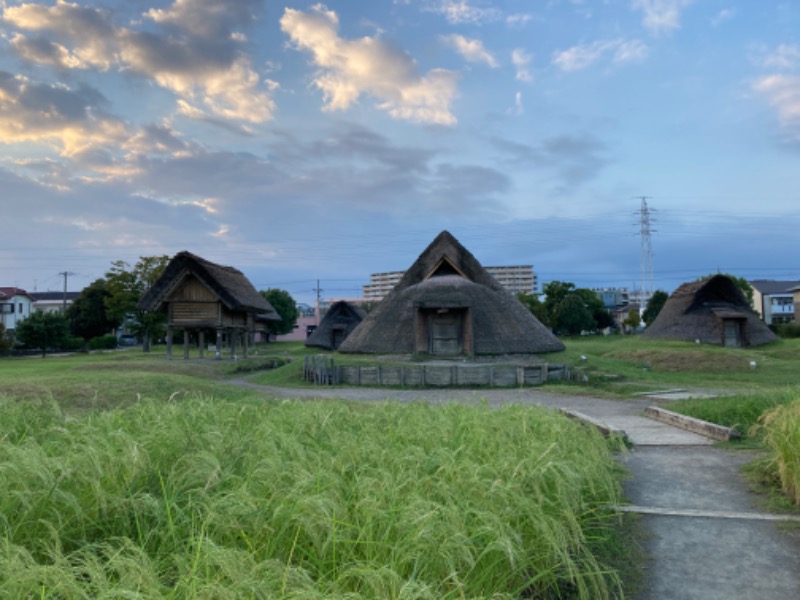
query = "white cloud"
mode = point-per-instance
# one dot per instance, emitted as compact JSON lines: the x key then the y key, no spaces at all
{"x":518,"y":19}
{"x":460,"y":11}
{"x":661,"y":16}
{"x":198,"y":59}
{"x":584,"y":55}
{"x":785,"y":57}
{"x":350,"y":68}
{"x":70,"y":120}
{"x":783,"y":94}
{"x":521,"y":59}
{"x":726,"y":14}
{"x":471,"y":49}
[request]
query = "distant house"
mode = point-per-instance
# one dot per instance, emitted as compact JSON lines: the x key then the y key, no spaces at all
{"x":713,"y":311}
{"x":15,"y":305}
{"x":447,"y":304}
{"x":339,"y":322}
{"x":53,"y":301}
{"x":774,"y":300}
{"x":197,"y":295}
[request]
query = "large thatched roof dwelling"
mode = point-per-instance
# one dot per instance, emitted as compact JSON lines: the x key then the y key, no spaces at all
{"x":713,"y":311}
{"x":447,"y":304}
{"x":338,"y":323}
{"x":197,"y":294}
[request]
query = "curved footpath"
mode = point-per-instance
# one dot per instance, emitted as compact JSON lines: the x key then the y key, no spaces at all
{"x":705,"y":536}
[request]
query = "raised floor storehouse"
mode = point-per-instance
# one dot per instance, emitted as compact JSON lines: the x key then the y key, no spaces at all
{"x":199,"y":296}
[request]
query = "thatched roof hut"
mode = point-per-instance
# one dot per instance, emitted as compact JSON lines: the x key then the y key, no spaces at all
{"x":447,"y":304}
{"x":713,"y":311}
{"x":197,"y":294}
{"x":338,"y":323}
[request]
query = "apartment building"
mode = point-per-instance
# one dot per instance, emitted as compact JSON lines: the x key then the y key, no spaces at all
{"x":518,"y":279}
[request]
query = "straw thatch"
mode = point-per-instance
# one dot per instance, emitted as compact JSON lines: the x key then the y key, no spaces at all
{"x":226,"y":285}
{"x":447,"y":281}
{"x":713,"y":311}
{"x":338,"y":323}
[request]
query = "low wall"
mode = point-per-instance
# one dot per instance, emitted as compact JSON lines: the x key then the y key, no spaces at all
{"x":323,"y":371}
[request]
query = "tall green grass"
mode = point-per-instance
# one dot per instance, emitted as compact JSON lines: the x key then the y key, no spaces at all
{"x":201,"y":498}
{"x":741,"y":411}
{"x":780,"y":429}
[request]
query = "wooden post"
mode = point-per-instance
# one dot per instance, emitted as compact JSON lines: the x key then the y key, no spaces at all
{"x":185,"y":344}
{"x":170,"y":333}
{"x":245,"y":343}
{"x":201,"y":342}
{"x":218,"y":347}
{"x":233,"y":335}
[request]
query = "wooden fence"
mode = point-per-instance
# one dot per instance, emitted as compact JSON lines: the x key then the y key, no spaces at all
{"x":321,"y":370}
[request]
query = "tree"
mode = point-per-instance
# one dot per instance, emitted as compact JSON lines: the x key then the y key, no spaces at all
{"x":654,"y":306}
{"x":739,"y":282}
{"x":126,"y":285}
{"x":5,"y":341}
{"x":555,"y":292}
{"x":87,"y":314}
{"x":633,"y":320}
{"x":596,"y":307}
{"x":573,"y":316}
{"x":566,"y":308}
{"x":286,"y":308}
{"x":43,"y":330}
{"x":536,"y":306}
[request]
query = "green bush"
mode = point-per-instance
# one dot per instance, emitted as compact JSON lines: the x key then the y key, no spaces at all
{"x":787,"y":330}
{"x":72,"y":344}
{"x":104,"y":342}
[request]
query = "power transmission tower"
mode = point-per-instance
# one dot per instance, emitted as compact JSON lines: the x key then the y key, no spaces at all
{"x":646,"y":257}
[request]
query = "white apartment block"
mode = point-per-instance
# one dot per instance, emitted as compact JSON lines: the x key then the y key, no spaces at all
{"x":517,"y":279}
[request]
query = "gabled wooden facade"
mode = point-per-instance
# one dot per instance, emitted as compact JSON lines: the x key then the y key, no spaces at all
{"x":198,"y":295}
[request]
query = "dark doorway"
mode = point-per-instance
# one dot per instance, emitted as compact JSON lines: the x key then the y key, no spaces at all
{"x":733,"y":333}
{"x":446,"y":332}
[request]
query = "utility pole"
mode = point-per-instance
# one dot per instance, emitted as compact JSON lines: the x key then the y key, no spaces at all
{"x":65,"y":274}
{"x":318,"y":290}
{"x":646,"y":256}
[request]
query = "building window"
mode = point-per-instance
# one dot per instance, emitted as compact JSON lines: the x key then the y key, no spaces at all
{"x":20,"y":308}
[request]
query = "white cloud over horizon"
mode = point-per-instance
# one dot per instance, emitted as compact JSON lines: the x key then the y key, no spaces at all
{"x":350,"y":68}
{"x":304,"y":141}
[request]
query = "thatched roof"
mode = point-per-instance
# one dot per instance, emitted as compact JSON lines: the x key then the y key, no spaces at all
{"x":696,"y":311}
{"x":230,"y":285}
{"x":447,"y":275}
{"x":338,"y":323}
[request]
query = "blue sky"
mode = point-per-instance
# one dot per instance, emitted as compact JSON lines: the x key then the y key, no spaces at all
{"x":302,"y":142}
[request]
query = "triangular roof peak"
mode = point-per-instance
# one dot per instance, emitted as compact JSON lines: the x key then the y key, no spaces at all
{"x":445,"y":267}
{"x":445,"y":255}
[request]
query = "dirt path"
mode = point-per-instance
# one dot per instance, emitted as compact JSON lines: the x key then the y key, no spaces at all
{"x":706,"y":537}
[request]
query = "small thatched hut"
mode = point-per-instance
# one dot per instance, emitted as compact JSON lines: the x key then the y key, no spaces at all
{"x":339,"y":322}
{"x":447,"y":304}
{"x":713,"y":311}
{"x":197,"y":295}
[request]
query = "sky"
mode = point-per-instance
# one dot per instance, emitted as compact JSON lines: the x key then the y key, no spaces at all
{"x":310,"y":145}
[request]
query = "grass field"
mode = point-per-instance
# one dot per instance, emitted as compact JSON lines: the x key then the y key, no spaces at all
{"x":125,"y":475}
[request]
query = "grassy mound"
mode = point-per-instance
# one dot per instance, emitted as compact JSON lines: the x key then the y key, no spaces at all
{"x":204,"y":498}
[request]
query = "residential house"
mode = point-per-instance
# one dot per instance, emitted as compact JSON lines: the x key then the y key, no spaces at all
{"x":774,"y":300}
{"x":15,"y":305}
{"x":53,"y":301}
